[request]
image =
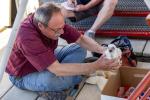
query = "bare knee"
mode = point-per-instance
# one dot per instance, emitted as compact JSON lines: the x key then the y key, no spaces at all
{"x":114,"y":2}
{"x":111,"y":3}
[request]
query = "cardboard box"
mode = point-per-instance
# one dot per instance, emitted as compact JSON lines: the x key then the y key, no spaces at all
{"x":123,"y":77}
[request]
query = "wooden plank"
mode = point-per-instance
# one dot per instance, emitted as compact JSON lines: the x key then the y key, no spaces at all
{"x":89,"y":92}
{"x":138,"y":45}
{"x":146,"y":51}
{"x":5,"y":85}
{"x":18,"y":94}
{"x":143,"y":65}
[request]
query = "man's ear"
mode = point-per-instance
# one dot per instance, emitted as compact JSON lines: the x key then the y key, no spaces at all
{"x":41,"y":26}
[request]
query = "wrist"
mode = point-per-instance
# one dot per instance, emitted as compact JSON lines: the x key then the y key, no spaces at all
{"x":95,"y":65}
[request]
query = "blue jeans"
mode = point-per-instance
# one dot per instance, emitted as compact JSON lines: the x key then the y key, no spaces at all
{"x":47,"y":81}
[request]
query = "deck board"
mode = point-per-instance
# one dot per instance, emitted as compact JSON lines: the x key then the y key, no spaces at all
{"x":89,"y":92}
{"x":146,"y":51}
{"x":18,"y":94}
{"x":5,"y":85}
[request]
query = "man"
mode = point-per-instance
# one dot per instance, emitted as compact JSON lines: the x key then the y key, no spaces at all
{"x":35,"y":64}
{"x":86,"y":8}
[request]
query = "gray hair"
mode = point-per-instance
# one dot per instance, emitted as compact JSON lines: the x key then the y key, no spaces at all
{"x":44,"y":13}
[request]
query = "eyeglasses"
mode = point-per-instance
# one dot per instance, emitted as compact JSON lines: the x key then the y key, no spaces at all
{"x":57,"y":31}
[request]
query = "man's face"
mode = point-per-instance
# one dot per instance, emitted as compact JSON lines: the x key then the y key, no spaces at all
{"x":55,"y":26}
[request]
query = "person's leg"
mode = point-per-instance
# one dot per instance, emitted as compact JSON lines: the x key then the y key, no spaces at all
{"x":103,"y":15}
{"x":71,"y":53}
{"x":47,"y":81}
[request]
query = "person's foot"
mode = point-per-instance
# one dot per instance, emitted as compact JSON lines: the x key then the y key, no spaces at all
{"x":90,"y":34}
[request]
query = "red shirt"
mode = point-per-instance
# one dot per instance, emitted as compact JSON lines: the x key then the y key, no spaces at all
{"x":32,"y":51}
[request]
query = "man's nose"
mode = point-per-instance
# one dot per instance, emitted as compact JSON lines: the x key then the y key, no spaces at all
{"x":61,"y":31}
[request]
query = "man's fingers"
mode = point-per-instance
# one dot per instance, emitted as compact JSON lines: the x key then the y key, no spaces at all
{"x":115,"y":64}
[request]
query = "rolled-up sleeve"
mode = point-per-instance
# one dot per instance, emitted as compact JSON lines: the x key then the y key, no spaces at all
{"x":70,"y":34}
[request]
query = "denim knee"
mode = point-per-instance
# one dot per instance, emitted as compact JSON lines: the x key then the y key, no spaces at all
{"x":71,"y":81}
{"x":82,"y":50}
{"x":17,"y":82}
{"x":61,"y":83}
{"x":83,"y":53}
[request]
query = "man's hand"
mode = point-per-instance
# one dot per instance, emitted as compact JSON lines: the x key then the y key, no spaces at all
{"x":80,"y":7}
{"x":104,"y":63}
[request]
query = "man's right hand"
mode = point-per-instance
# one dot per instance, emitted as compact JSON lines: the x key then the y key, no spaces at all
{"x":104,"y":63}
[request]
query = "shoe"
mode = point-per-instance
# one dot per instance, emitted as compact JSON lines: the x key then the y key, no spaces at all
{"x":57,"y":95}
{"x":53,"y":96}
{"x":90,"y":34}
{"x":42,"y":96}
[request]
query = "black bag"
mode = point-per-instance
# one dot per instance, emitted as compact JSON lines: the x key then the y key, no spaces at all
{"x":84,"y":2}
{"x":128,"y":56}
